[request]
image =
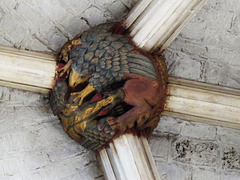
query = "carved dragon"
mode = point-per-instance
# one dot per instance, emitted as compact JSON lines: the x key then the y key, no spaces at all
{"x":105,"y":86}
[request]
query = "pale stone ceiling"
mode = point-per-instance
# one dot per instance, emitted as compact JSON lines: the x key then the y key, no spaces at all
{"x":32,"y":142}
{"x":209,"y":45}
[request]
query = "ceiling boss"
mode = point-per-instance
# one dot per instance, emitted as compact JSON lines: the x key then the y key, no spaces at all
{"x":105,"y":86}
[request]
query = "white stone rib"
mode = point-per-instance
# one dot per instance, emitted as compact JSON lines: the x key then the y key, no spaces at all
{"x":26,"y":70}
{"x":160,"y":21}
{"x":201,"y":102}
{"x":130,"y":158}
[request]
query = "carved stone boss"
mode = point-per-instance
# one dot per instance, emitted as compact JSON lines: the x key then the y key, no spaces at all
{"x":105,"y":86}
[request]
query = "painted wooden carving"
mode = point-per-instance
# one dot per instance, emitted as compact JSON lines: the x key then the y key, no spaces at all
{"x":106,"y":86}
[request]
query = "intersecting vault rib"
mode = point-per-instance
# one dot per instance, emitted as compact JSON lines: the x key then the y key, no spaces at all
{"x":189,"y":100}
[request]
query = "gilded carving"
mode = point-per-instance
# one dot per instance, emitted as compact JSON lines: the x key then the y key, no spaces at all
{"x":106,"y":86}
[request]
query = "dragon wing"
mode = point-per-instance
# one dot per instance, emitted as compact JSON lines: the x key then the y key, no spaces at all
{"x":107,"y":57}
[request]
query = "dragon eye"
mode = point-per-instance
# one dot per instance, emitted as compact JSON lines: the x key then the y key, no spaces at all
{"x":82,"y":77}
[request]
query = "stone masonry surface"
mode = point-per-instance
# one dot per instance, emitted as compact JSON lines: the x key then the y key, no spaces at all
{"x":33,"y":145}
{"x":207,"y":50}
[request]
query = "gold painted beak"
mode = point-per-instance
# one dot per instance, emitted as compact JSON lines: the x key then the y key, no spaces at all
{"x":76,"y":78}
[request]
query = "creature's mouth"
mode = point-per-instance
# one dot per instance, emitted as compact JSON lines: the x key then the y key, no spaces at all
{"x":79,"y":87}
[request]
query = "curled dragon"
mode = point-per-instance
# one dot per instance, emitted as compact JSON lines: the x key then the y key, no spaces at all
{"x":106,"y":86}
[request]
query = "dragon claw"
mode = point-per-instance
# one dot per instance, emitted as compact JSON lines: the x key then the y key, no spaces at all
{"x":116,"y":124}
{"x":123,"y":124}
{"x":141,"y":120}
{"x":81,"y":95}
{"x":79,"y":98}
{"x":112,"y":121}
{"x":63,"y":71}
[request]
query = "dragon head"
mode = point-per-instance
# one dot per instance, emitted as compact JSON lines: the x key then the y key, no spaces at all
{"x":76,"y":78}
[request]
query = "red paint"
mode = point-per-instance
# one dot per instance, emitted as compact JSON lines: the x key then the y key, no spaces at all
{"x":97,"y":97}
{"x":118,"y":28}
{"x":144,"y":95}
{"x":103,"y":112}
{"x":60,"y":65}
